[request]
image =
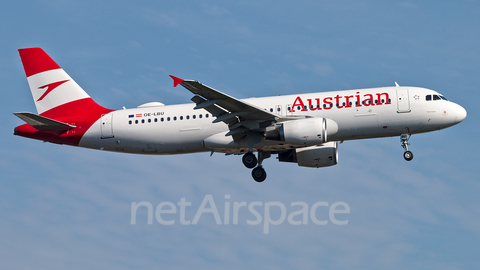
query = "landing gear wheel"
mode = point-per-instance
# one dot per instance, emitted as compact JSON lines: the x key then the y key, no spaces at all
{"x":408,"y":155}
{"x":259,"y":174}
{"x":249,"y":160}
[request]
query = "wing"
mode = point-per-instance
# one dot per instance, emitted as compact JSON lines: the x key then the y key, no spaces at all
{"x":240,"y":116}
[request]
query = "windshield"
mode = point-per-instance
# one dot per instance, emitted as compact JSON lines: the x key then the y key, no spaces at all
{"x":435,"y":97}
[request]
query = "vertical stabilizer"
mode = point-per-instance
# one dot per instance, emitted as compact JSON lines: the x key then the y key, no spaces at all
{"x":65,"y":111}
{"x":54,"y":92}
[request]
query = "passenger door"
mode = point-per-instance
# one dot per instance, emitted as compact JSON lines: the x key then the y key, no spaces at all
{"x":403,"y":102}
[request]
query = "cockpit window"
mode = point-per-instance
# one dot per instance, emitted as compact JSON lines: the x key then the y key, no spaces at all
{"x":435,"y":97}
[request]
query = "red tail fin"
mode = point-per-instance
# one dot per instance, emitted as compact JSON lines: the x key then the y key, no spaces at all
{"x":57,"y":96}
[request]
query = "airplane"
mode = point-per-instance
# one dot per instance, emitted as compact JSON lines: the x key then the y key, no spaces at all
{"x":300,"y":128}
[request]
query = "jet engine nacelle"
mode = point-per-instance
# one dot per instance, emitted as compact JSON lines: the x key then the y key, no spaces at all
{"x":314,"y":156}
{"x":308,"y":131}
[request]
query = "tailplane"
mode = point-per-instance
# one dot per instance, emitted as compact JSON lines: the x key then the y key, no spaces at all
{"x":43,"y":123}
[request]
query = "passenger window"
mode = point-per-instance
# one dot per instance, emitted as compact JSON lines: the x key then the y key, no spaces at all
{"x":188,"y":117}
{"x":181,"y":117}
{"x":136,"y":121}
{"x":200,"y":116}
{"x":149,"y":120}
{"x":161,"y":119}
{"x":174,"y":118}
{"x":271,"y":109}
{"x":143,"y":121}
{"x":168,"y":118}
{"x":130,"y":122}
{"x":206,"y":115}
{"x":194,"y":116}
{"x":155,"y":120}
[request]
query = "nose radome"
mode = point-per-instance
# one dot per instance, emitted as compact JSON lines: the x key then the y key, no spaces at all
{"x":460,"y":114}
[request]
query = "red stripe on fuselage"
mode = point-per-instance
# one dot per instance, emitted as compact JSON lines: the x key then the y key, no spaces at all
{"x":82,"y":113}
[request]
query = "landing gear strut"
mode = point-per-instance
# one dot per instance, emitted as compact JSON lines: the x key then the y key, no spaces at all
{"x":407,"y":155}
{"x":250,"y":161}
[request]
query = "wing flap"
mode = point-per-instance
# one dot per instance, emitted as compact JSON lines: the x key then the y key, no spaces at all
{"x":43,"y":123}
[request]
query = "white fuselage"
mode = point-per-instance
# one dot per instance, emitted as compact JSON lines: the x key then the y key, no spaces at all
{"x":177,"y":129}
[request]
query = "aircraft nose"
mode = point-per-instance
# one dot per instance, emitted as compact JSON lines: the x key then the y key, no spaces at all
{"x":460,"y":114}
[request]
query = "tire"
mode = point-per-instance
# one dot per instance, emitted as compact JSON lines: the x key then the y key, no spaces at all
{"x":259,"y":174}
{"x":249,"y":160}
{"x":408,"y":155}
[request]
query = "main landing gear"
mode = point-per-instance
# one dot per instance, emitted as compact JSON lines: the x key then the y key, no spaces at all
{"x":250,"y":161}
{"x":407,"y":155}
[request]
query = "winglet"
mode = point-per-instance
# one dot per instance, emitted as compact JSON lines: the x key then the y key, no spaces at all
{"x":176,"y":81}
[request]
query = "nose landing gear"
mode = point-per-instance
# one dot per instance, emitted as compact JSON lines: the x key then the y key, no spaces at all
{"x":250,"y":161}
{"x":407,"y":155}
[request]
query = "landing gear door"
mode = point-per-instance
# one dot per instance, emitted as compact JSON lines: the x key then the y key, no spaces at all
{"x":106,"y":127}
{"x":403,"y":102}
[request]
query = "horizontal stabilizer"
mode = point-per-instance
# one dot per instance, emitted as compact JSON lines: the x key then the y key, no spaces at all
{"x":43,"y":123}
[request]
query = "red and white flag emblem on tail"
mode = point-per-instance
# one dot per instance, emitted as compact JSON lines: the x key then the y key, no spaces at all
{"x":50,"y":87}
{"x":49,"y":83}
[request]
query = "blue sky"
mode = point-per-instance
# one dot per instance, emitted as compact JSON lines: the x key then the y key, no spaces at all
{"x":66,"y":207}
